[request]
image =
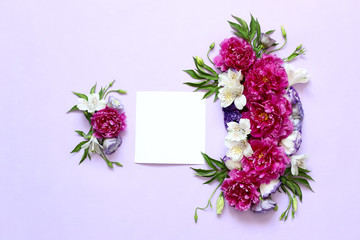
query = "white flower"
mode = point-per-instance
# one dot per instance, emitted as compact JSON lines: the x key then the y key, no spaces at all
{"x":93,"y":145}
{"x":92,"y":104}
{"x":238,"y":131}
{"x":296,"y":162}
{"x":230,"y":164}
{"x":228,"y":95}
{"x":289,"y":143}
{"x":237,"y":150}
{"x":230,"y":79}
{"x":296,"y":76}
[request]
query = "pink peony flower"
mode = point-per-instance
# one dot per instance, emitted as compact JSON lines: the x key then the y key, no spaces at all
{"x":268,"y":161}
{"x":269,"y":117}
{"x":235,"y":53}
{"x":266,"y":77}
{"x":241,"y":190}
{"x":108,"y":123}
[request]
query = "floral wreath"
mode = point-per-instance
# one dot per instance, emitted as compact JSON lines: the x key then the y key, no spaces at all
{"x":263,"y":116}
{"x":107,"y":122}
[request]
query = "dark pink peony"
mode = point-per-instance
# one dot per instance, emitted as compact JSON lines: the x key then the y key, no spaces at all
{"x":235,"y":53}
{"x":269,"y":117}
{"x":266,"y":77}
{"x":267,"y":162}
{"x":241,"y":190}
{"x":108,"y":123}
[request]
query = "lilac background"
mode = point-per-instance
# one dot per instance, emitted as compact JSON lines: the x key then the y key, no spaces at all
{"x":49,"y":48}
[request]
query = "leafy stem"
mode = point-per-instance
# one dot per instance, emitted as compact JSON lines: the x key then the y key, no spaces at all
{"x":208,"y":203}
{"x":210,"y":49}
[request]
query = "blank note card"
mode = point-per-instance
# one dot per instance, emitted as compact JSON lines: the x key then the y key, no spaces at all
{"x":170,"y":128}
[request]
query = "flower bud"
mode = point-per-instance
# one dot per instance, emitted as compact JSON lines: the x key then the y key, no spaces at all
{"x":199,"y":61}
{"x":111,"y":144}
{"x":266,"y":40}
{"x":212,"y":46}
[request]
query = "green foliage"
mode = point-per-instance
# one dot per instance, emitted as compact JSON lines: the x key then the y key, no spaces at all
{"x":218,"y":172}
{"x":208,"y":76}
{"x":290,"y":186}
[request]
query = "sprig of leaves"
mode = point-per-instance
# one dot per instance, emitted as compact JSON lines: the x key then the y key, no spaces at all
{"x":251,"y":35}
{"x":218,"y":172}
{"x":207,"y":77}
{"x":290,"y":186}
{"x":297,"y":52}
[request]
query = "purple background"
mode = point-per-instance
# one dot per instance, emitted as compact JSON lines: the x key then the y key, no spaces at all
{"x":49,"y":48}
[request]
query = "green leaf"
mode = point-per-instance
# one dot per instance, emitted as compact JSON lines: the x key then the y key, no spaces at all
{"x":208,"y":161}
{"x":202,"y":170}
{"x":78,"y":147}
{"x":242,"y":22}
{"x":211,"y":70}
{"x":252,"y":28}
{"x":74,"y":108}
{"x":101,"y":93}
{"x":209,"y":93}
{"x":220,"y":176}
{"x":210,"y":174}
{"x":287,"y":171}
{"x":80,"y":95}
{"x":291,"y":186}
{"x":81,"y":133}
{"x":243,"y":33}
{"x":193,"y":74}
{"x":304,"y":175}
{"x":303,"y":182}
{"x":93,"y":89}
{"x":198,"y":84}
{"x":298,"y":190}
{"x":270,"y":32}
{"x":219,"y":164}
{"x":110,"y":85}
{"x":220,"y":203}
{"x":86,"y":152}
{"x":258,"y":31}
{"x":302,"y":170}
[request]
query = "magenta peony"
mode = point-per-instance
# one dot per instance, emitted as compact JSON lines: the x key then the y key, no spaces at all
{"x":235,"y":53}
{"x":268,"y":161}
{"x":266,"y":77}
{"x":241,"y":190}
{"x":108,"y":123}
{"x":269,"y":117}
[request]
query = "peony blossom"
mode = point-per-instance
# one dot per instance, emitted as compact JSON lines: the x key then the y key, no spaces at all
{"x":235,"y":53}
{"x":229,"y":95}
{"x":108,"y":123}
{"x":266,"y":77}
{"x":296,"y":76}
{"x":296,"y":162}
{"x":92,"y":104}
{"x":93,"y":145}
{"x":267,"y":162}
{"x":269,"y":117}
{"x":237,"y":150}
{"x":238,"y":131}
{"x":240,"y":190}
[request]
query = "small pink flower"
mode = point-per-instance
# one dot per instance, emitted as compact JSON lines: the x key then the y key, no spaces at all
{"x":269,"y":117}
{"x":268,"y":161}
{"x":266,"y":77}
{"x":235,"y":53}
{"x":108,"y":123}
{"x":241,"y":190}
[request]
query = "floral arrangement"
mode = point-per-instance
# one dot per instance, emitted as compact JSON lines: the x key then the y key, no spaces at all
{"x":107,"y":122}
{"x":263,"y":116}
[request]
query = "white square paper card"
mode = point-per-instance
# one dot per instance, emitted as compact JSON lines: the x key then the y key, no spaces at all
{"x":170,"y":128}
